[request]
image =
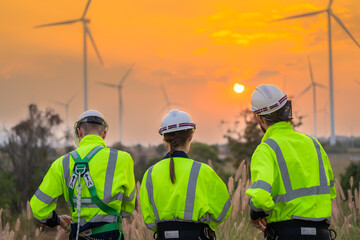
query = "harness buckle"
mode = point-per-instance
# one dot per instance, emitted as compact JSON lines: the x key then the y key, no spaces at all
{"x":81,"y":168}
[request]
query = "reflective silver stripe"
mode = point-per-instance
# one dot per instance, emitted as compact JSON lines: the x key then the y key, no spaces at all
{"x":262,"y":185}
{"x":252,"y":206}
{"x":65,"y":163}
{"x":224,"y":211}
{"x":190,"y":193}
{"x":302,"y":192}
{"x":323,"y":180}
{"x":90,"y":154}
{"x":332,"y":183}
{"x":281,"y":162}
{"x":328,"y":219}
{"x":74,"y":155}
{"x":131,"y":196}
{"x":118,"y":197}
{"x":151,"y":225}
{"x":124,"y":214}
{"x":43,"y":197}
{"x":110,"y":175}
{"x":150,"y":189}
{"x":44,"y":220}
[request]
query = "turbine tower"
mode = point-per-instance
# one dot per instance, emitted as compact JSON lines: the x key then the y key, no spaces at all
{"x":66,"y":105}
{"x":312,"y":85}
{"x":330,"y":15}
{"x":84,"y":21}
{"x":119,"y":87}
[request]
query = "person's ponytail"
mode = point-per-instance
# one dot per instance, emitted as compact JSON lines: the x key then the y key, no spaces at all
{"x":176,"y":139}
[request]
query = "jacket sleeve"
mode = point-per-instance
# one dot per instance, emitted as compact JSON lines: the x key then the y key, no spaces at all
{"x":128,"y":203}
{"x":218,"y":197}
{"x":329,"y":173}
{"x":262,"y":176}
{"x":43,"y":203}
{"x":146,"y":207}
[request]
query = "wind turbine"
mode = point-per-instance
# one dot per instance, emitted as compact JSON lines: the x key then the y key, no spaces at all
{"x":119,"y":87}
{"x":330,"y":14}
{"x":66,"y":105}
{"x":312,"y":85}
{"x":84,"y":21}
{"x":168,"y":104}
{"x":357,"y":81}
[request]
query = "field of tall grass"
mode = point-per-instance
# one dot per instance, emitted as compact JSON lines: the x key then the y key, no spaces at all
{"x":345,"y":217}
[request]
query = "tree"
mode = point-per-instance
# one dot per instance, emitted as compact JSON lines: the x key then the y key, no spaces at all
{"x":243,"y":142}
{"x":25,"y":153}
{"x":351,"y":171}
{"x":202,"y":152}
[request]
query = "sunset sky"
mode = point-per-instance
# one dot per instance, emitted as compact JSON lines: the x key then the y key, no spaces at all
{"x":197,"y":49}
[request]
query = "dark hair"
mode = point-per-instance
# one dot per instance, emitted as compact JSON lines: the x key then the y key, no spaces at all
{"x":92,"y":127}
{"x":283,"y":114}
{"x":175,"y":139}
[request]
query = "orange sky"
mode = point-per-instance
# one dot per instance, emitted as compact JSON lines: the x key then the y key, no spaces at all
{"x":198,"y":50}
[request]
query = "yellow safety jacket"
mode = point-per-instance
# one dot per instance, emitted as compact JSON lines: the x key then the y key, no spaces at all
{"x":291,"y":177}
{"x":198,"y":194}
{"x":112,"y":172}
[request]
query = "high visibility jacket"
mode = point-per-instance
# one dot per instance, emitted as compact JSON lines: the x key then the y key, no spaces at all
{"x":291,"y":177}
{"x":113,"y":176}
{"x":198,"y":194}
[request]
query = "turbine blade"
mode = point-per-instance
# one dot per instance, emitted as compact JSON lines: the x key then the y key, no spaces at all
{"x":345,"y":29}
{"x":163,"y":109}
{"x":86,"y":8}
{"x":126,"y":74}
{"x":298,"y":16}
{"x":165,"y":95}
{"x":330,"y":3}
{"x":57,"y":23}
{"x":108,"y":84}
{"x":311,"y":72}
{"x":304,"y":91}
{"x":320,"y":85}
{"x":58,"y":103}
{"x":93,"y":43}
{"x":71,"y":99}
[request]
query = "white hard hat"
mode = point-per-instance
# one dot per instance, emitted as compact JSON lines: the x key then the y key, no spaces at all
{"x":267,"y":98}
{"x":175,"y":121}
{"x":90,"y":116}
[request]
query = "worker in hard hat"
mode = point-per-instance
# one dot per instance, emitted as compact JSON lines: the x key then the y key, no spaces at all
{"x":181,"y":198}
{"x":97,"y":183}
{"x":292,"y":180}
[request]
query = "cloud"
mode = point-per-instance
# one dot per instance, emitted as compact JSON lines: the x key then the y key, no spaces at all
{"x":6,"y":70}
{"x":163,"y":74}
{"x":263,"y":74}
{"x":230,"y":37}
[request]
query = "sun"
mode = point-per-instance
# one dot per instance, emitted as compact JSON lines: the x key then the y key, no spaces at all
{"x":239,"y":88}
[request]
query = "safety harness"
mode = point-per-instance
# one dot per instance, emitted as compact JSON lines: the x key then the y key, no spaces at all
{"x":81,"y":170}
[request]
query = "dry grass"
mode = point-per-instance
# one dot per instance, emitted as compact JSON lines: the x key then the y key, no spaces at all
{"x":345,"y":217}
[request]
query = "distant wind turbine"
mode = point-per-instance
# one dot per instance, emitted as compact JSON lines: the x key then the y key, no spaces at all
{"x":66,"y":105}
{"x":312,"y":85}
{"x":85,"y":21}
{"x":330,"y":14}
{"x":358,"y":82}
{"x":168,"y":104}
{"x":119,"y":87}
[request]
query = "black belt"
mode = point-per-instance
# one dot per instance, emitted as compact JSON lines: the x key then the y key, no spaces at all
{"x":184,"y":230}
{"x":297,"y":228}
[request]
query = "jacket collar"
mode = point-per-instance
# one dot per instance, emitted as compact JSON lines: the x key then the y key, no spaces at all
{"x":277,"y":128}
{"x":177,"y":154}
{"x":92,"y":139}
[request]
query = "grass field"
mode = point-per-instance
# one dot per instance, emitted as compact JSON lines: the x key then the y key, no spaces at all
{"x":345,"y":217}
